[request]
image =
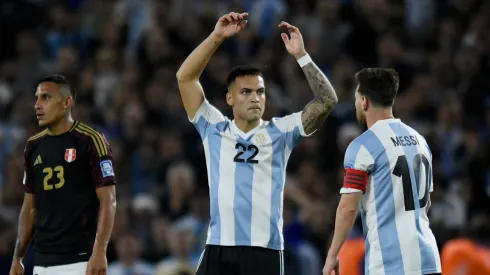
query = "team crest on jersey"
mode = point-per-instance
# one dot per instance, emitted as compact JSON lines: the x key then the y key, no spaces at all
{"x":70,"y":155}
{"x":260,"y":139}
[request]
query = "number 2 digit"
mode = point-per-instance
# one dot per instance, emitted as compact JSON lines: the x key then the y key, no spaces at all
{"x":49,"y":174}
{"x":242,"y":148}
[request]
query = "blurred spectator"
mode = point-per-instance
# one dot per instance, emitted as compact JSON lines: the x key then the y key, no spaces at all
{"x":122,"y":56}
{"x":129,"y":249}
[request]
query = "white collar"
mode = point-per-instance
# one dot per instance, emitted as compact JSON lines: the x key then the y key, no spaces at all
{"x":236,"y":130}
{"x":388,"y":120}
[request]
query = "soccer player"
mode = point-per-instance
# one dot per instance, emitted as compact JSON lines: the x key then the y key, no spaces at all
{"x":388,"y":172}
{"x":69,"y":202}
{"x":246,"y":157}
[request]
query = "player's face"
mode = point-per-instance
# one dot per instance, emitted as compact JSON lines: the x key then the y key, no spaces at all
{"x":361,"y":103}
{"x":247,"y":97}
{"x":51,"y":105}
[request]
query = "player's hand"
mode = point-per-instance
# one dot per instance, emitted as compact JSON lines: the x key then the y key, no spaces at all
{"x":17,"y":268}
{"x":230,"y":24}
{"x":331,"y":266}
{"x":294,"y":43}
{"x":97,"y":265}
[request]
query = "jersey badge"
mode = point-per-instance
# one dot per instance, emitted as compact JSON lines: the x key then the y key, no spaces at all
{"x":260,"y":139}
{"x":106,"y":167}
{"x":70,"y":155}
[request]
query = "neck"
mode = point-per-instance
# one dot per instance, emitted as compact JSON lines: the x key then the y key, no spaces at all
{"x":378,"y":114}
{"x":60,"y":127}
{"x":246,"y":126}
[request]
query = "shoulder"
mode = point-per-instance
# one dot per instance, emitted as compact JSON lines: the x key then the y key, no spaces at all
{"x":34,"y":140}
{"x":287,"y":123}
{"x":94,"y":137}
{"x":364,"y":146}
{"x":37,"y":136}
{"x":88,"y":131}
{"x":85,"y":129}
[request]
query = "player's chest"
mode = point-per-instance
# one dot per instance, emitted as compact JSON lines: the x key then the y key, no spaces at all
{"x":55,"y":165}
{"x":258,"y":148}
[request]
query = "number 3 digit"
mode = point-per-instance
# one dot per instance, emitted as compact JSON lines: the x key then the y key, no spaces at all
{"x":49,"y":174}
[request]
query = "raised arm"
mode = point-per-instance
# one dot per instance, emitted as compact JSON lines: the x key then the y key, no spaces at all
{"x":189,"y":72}
{"x":315,"y":112}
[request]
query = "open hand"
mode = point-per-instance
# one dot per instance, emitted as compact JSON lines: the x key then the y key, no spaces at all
{"x":230,"y":24}
{"x":294,"y":44}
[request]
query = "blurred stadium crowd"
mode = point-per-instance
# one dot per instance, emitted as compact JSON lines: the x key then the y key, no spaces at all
{"x":122,"y":57}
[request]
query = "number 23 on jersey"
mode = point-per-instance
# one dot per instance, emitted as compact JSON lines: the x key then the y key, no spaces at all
{"x":48,"y":173}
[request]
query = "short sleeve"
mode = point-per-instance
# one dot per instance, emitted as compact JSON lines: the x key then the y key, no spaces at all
{"x":358,"y":165}
{"x":27,"y":180}
{"x":292,"y":126}
{"x":206,"y":116}
{"x":429,"y":153}
{"x":100,"y":154}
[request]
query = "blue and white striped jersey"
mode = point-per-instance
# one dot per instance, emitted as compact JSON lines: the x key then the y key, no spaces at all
{"x":394,"y":206}
{"x":246,"y":176}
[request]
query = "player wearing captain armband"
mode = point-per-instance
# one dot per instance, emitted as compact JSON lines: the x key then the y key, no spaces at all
{"x":388,"y":177}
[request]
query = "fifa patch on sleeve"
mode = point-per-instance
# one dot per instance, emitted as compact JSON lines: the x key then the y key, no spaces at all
{"x":106,"y":167}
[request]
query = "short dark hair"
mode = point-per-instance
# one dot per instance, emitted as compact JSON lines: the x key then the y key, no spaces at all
{"x":60,"y":80}
{"x":243,"y":70}
{"x":380,"y":85}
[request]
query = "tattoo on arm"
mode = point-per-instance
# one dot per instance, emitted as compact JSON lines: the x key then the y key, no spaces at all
{"x":325,"y":98}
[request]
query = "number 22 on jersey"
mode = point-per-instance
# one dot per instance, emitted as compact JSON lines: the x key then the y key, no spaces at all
{"x":241,"y":149}
{"x":48,"y":175}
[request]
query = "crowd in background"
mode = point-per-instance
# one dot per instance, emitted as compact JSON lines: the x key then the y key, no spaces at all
{"x":122,"y":56}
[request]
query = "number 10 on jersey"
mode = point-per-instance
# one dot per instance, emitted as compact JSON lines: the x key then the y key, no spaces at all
{"x":402,"y":170}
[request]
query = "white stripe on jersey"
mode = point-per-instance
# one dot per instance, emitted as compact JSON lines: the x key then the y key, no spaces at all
{"x":404,"y":219}
{"x":226,"y":200}
{"x":246,"y":174}
{"x":261,"y":197}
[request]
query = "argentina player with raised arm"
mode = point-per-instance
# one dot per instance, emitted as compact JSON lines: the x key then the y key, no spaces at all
{"x":388,"y":171}
{"x":246,"y":157}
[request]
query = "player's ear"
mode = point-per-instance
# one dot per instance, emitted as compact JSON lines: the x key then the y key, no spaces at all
{"x":364,"y":103}
{"x":229,"y":99}
{"x":68,"y":102}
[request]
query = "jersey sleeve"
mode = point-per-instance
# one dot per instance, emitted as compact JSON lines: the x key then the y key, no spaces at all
{"x":431,"y":178}
{"x":206,"y":116}
{"x":100,"y":155}
{"x":292,"y":126}
{"x":358,"y":165}
{"x":27,"y":180}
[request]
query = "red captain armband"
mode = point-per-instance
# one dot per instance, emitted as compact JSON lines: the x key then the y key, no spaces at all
{"x":355,"y":179}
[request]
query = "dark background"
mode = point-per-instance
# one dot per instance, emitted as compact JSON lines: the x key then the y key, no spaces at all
{"x":122,"y":57}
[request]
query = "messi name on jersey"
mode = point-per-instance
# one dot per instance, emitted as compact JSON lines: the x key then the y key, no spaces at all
{"x":405,"y":141}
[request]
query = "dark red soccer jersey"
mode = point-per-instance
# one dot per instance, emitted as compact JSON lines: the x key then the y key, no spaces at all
{"x":63,"y":172}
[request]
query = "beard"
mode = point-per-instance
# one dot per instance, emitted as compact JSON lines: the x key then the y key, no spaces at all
{"x":361,"y":120}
